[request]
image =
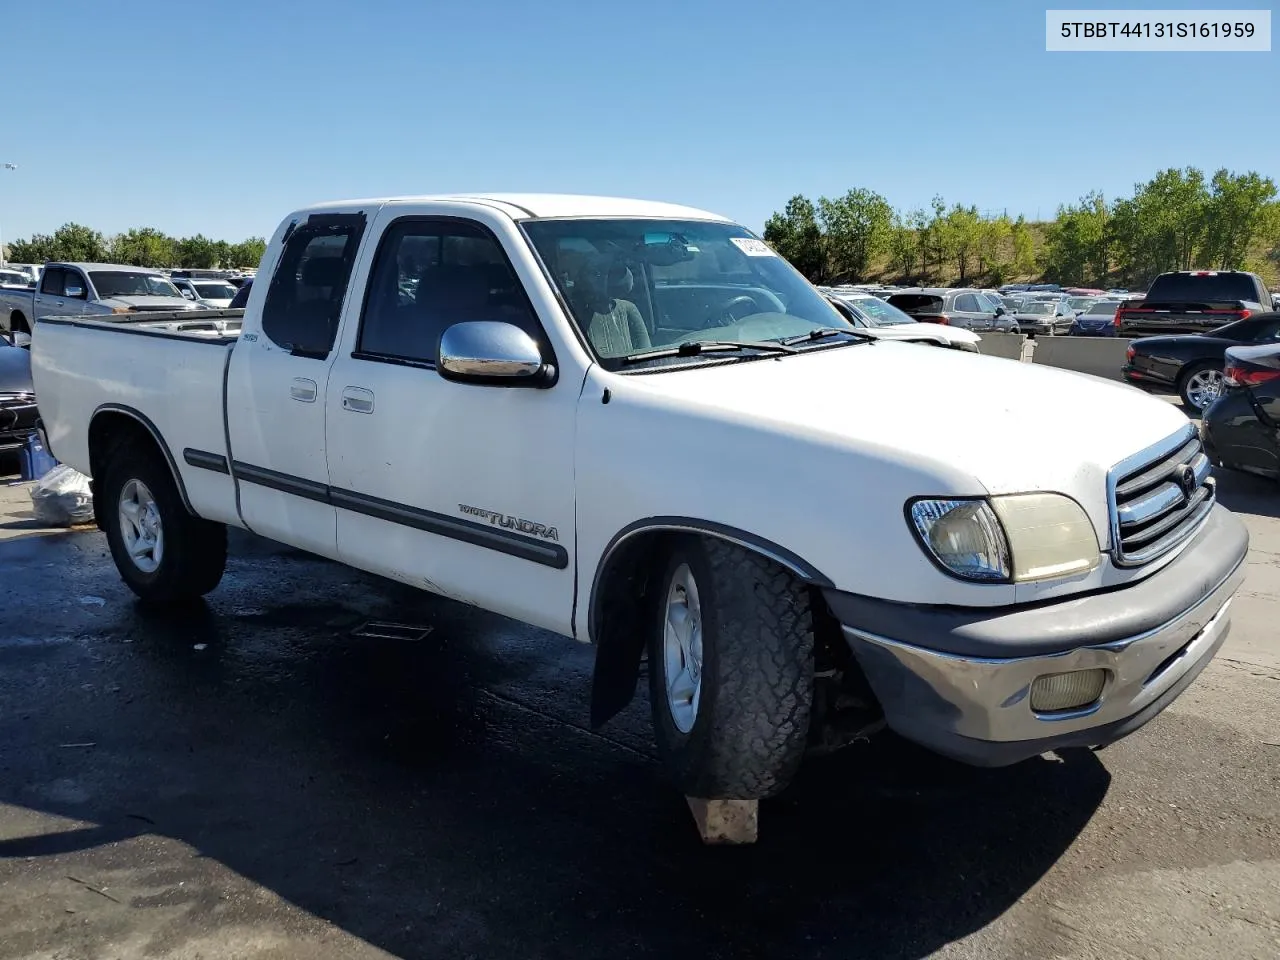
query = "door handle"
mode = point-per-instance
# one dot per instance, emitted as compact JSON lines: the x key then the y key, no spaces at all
{"x":357,"y":400}
{"x":303,"y":390}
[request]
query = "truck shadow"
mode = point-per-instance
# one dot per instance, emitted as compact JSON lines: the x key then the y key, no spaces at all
{"x":1245,"y":493}
{"x":442,"y":798}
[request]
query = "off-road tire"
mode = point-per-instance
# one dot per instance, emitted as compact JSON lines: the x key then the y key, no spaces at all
{"x":752,"y":723}
{"x":195,"y":550}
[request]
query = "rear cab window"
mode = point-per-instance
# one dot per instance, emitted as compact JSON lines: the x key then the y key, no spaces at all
{"x":917,"y":302}
{"x":304,"y":301}
{"x":1203,"y":288}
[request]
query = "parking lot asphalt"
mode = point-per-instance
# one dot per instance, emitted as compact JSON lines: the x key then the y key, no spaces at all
{"x":253,"y":779}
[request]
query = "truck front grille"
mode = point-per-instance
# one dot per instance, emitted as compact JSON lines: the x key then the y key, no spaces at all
{"x":1158,"y":498}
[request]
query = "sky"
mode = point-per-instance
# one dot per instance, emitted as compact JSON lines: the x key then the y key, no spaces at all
{"x":137,"y":113}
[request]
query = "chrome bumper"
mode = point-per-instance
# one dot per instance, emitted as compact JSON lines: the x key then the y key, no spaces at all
{"x":978,"y":709}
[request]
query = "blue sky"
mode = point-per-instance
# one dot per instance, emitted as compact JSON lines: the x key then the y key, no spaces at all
{"x":138,"y":113}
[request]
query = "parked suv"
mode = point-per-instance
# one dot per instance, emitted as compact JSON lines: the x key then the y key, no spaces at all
{"x":960,"y":308}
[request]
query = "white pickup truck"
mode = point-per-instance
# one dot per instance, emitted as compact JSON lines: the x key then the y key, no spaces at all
{"x":89,"y":289}
{"x":633,"y":424}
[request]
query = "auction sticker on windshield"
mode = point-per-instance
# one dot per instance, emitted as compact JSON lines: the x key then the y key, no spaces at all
{"x":752,"y":247}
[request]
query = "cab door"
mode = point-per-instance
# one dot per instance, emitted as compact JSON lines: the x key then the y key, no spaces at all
{"x":466,"y":490}
{"x":276,"y":383}
{"x":52,"y":298}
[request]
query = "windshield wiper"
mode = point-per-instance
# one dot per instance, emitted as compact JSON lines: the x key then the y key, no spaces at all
{"x":697,"y":347}
{"x":821,"y":333}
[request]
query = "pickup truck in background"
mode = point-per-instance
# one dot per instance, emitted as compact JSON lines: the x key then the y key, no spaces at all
{"x":89,"y":289}
{"x":1193,"y":301}
{"x":635,"y":425}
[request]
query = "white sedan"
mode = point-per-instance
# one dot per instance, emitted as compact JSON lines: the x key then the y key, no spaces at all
{"x":886,"y":322}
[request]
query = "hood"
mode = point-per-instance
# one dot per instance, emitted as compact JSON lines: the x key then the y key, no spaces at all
{"x":217,"y":304}
{"x":150,"y":303}
{"x":15,"y":369}
{"x":1013,"y":427}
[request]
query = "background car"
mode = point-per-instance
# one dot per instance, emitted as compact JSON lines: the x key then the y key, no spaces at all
{"x":212,"y":293}
{"x":18,"y":412}
{"x":12,"y":278}
{"x":1049,"y":316}
{"x":1098,"y":320}
{"x":957,"y":308}
{"x":886,"y":322}
{"x":1242,"y":427}
{"x":1192,"y":363}
{"x":1080,"y":304}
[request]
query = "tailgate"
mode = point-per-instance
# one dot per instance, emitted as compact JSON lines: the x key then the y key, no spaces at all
{"x":1153,"y":316}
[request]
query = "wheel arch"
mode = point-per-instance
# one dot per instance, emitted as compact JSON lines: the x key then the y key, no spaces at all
{"x":113,"y":422}
{"x":621,"y":587}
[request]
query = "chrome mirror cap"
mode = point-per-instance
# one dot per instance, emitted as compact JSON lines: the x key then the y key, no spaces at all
{"x":490,"y":351}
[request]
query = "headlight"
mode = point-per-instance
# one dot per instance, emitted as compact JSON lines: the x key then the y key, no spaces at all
{"x":963,"y":536}
{"x":1049,"y":535}
{"x":1031,"y":536}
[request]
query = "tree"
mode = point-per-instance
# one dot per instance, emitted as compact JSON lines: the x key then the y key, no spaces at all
{"x":795,"y":234}
{"x":960,"y":229}
{"x":936,"y":234}
{"x":903,"y":248}
{"x":144,"y":247}
{"x":1162,"y":226}
{"x":1239,"y":210}
{"x":856,"y":228}
{"x":994,"y":237}
{"x":1024,"y":248}
{"x":247,"y":253}
{"x":198,"y":251}
{"x":71,"y":241}
{"x":1077,"y":243}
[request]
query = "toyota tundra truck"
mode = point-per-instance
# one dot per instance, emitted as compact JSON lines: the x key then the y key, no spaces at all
{"x":635,"y":425}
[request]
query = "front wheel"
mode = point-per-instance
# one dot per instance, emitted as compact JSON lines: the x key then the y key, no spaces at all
{"x":730,"y":671}
{"x":1200,"y":385}
{"x":164,"y":554}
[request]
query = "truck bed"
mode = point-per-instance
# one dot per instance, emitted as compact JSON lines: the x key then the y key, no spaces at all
{"x":170,"y":365}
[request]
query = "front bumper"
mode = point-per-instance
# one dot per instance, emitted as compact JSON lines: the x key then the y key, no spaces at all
{"x":959,"y":681}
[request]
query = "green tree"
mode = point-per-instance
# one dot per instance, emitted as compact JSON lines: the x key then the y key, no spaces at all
{"x":994,"y":238}
{"x":71,"y":241}
{"x":936,"y":238}
{"x":795,"y":234}
{"x":1023,"y":260}
{"x":1162,"y":226}
{"x":904,"y":249}
{"x":856,"y":228}
{"x":1077,"y":244}
{"x":38,"y":249}
{"x":960,"y":227}
{"x":246,"y":253}
{"x":1239,"y":211}
{"x":199,"y":252}
{"x":143,"y":247}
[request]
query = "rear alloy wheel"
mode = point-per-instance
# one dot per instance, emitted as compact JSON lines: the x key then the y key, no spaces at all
{"x":1201,"y":385}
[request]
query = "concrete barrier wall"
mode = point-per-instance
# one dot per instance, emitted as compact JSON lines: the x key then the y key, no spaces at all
{"x":1007,"y":345}
{"x":1100,"y":356}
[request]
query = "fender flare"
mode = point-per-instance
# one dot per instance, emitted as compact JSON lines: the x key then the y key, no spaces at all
{"x":145,"y":422}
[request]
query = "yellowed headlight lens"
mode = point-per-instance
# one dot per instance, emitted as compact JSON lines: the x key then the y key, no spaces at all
{"x":1049,"y":535}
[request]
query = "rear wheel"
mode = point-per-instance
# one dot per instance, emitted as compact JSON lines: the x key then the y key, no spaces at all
{"x":730,"y":671}
{"x":164,"y":554}
{"x":1200,"y":385}
{"x":18,"y":323}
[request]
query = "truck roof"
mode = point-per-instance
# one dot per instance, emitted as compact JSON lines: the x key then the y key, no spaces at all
{"x":523,"y":206}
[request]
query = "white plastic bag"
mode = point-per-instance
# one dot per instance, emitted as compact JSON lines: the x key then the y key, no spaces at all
{"x":61,"y":498}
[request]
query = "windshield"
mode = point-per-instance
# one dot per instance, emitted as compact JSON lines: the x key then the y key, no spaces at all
{"x":12,"y":279}
{"x":637,"y":285}
{"x":1036,"y":307}
{"x":1081,"y":303}
{"x":121,"y":283}
{"x":214,"y":291}
{"x":882,"y":314}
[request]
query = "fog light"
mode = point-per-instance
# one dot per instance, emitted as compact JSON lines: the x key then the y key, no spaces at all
{"x":1067,"y":691}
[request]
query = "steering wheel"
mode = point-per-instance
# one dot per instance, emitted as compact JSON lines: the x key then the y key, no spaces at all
{"x":728,"y":317}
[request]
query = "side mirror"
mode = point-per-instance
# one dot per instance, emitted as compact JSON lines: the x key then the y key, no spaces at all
{"x":1001,"y":311}
{"x":188,"y":294}
{"x":492,"y":352}
{"x":73,"y":290}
